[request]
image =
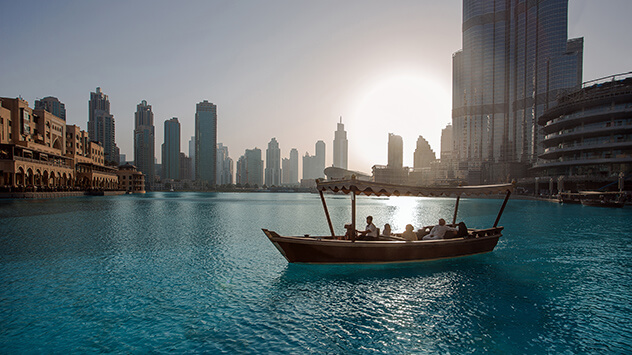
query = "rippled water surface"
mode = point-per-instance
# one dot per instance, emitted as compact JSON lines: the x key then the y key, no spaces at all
{"x":192,"y":272}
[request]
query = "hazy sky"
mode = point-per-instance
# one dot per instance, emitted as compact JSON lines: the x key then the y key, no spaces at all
{"x":284,"y":69}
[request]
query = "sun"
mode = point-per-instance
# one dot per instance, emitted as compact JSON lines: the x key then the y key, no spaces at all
{"x":406,"y":104}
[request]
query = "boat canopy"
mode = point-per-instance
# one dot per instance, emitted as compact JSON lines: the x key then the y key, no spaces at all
{"x":379,"y":189}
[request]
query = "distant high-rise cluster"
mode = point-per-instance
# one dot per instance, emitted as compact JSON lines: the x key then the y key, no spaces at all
{"x":101,"y":127}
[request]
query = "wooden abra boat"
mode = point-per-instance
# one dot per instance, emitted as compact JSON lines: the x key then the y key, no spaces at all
{"x":333,"y":249}
{"x":602,"y":198}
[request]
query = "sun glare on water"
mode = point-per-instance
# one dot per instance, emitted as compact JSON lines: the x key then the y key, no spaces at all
{"x":408,"y":105}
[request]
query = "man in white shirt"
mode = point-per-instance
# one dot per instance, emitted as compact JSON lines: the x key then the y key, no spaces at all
{"x":370,"y":233}
{"x":439,"y":231}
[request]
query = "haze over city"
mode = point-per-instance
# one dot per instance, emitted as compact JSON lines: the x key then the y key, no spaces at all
{"x":275,"y":69}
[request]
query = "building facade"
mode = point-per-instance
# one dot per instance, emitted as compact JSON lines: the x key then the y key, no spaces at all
{"x":39,"y":152}
{"x":273,"y":164}
{"x":130,"y":179}
{"x":588,"y":135}
{"x":224,"y":166}
{"x":171,"y":150}
{"x":395,"y":151}
{"x":423,"y":155}
{"x":205,"y":142}
{"x":52,"y":105}
{"x":341,"y":147}
{"x":314,"y":165}
{"x":144,"y":142}
{"x":101,"y":125}
{"x":516,"y":59}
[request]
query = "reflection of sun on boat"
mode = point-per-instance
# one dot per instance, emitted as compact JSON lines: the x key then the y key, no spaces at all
{"x":602,"y":198}
{"x":337,"y":249}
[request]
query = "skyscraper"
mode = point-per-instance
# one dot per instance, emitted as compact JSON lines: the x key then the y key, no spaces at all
{"x":446,"y":143}
{"x":321,"y":153}
{"x":171,"y":150}
{"x":144,"y":142}
{"x":395,"y":151}
{"x":293,"y":166}
{"x":424,"y":155}
{"x":314,"y":166}
{"x":224,"y":166}
{"x":254,"y":167}
{"x":273,"y":163}
{"x":340,"y":146}
{"x":192,"y":156}
{"x":52,"y":105}
{"x":101,"y":127}
{"x":516,"y":59}
{"x":205,"y":142}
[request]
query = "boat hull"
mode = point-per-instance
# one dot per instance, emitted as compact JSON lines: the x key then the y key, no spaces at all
{"x":325,"y":250}
{"x":599,"y":203}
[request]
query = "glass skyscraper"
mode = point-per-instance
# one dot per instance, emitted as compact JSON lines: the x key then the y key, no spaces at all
{"x":516,"y":59}
{"x":144,"y":142}
{"x":171,"y":150}
{"x":205,"y":142}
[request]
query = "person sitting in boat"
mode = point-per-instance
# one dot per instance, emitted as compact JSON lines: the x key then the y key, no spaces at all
{"x":349,"y":233}
{"x":439,"y":231}
{"x":409,"y":234}
{"x":386,"y":232}
{"x":443,"y":231}
{"x":370,"y":233}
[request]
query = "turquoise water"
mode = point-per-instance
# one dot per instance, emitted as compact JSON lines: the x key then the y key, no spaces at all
{"x":192,"y":272}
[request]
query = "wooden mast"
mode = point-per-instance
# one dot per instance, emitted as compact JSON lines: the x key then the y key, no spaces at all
{"x":353,"y":215}
{"x":456,"y":208}
{"x":331,"y":226}
{"x":502,"y":208}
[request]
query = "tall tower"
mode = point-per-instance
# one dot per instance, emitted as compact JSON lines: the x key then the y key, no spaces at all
{"x":144,"y":142}
{"x":101,"y":127}
{"x":321,"y":153}
{"x":224,"y":166}
{"x":395,"y":151}
{"x":205,"y":142}
{"x":171,"y":150}
{"x":192,"y":156}
{"x":446,"y":144}
{"x":516,"y":59}
{"x":340,"y":146}
{"x":424,"y":154}
{"x":254,"y":167}
{"x":52,"y":105}
{"x":293,"y":166}
{"x":273,"y":163}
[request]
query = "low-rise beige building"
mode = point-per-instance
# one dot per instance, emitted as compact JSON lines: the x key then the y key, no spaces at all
{"x":130,"y":179}
{"x":39,"y":152}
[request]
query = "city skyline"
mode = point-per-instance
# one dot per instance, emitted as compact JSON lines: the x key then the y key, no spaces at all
{"x":313,"y":62}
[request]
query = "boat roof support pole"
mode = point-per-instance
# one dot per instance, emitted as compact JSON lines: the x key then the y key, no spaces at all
{"x":353,"y":215}
{"x":500,"y":213}
{"x":456,"y":209}
{"x":331,"y":226}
